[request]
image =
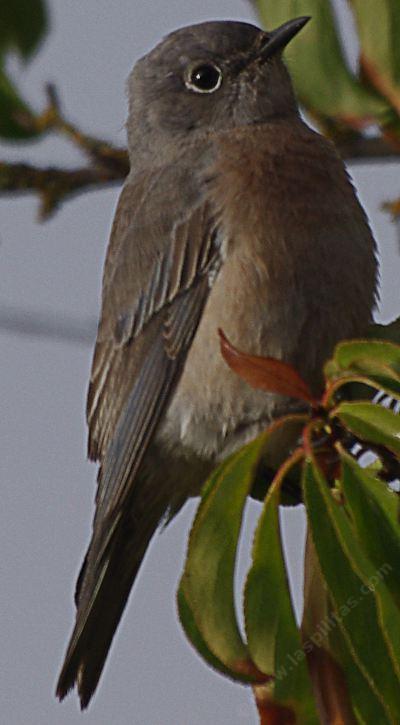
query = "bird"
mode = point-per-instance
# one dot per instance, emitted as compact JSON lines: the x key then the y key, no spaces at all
{"x":235,"y":215}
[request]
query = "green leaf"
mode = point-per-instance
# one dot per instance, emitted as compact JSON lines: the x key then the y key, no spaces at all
{"x":189,"y":625}
{"x":326,"y":647}
{"x":322,"y":80}
{"x":371,"y":423}
{"x":266,"y":580}
{"x":207,"y":581}
{"x":274,"y":640}
{"x":23,"y":24}
{"x":365,"y":354}
{"x":385,"y":498}
{"x":375,"y":360}
{"x":364,"y":608}
{"x":367,"y":706}
{"x":378,"y":533}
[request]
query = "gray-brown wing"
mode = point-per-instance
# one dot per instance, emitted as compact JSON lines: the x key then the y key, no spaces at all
{"x":159,"y":248}
{"x":152,"y":302}
{"x":169,"y":337}
{"x":145,"y":332}
{"x":125,"y":515}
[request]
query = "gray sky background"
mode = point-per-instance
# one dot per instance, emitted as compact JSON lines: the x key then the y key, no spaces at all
{"x":152,"y":677}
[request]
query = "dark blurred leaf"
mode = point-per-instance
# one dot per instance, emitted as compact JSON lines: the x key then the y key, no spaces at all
{"x":371,"y":423}
{"x":265,"y":373}
{"x":378,"y":25}
{"x":16,"y":120}
{"x":315,"y":59}
{"x":390,"y":332}
{"x":364,"y":609}
{"x":23,"y":24}
{"x":378,"y":534}
{"x":282,"y":438}
{"x":273,"y":637}
{"x":207,"y":581}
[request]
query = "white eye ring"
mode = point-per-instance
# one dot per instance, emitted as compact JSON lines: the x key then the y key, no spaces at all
{"x":204,"y":77}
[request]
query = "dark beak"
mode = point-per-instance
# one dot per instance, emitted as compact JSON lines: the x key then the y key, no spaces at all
{"x":280,"y":37}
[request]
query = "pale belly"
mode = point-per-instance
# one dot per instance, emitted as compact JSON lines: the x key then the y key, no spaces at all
{"x":213,"y":411}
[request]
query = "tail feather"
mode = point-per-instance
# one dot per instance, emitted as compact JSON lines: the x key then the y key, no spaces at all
{"x":102,"y":593}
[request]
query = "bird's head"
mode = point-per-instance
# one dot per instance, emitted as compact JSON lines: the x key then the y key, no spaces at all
{"x":210,"y":77}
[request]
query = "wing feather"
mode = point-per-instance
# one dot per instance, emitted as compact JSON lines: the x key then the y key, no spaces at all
{"x":156,"y":283}
{"x":191,"y":252}
{"x":145,"y":407}
{"x":145,"y":332}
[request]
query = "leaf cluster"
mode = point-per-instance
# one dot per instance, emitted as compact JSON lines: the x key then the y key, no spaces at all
{"x":343,"y":663}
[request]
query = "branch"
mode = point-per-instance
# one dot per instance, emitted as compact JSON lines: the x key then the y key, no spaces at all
{"x":100,"y":152}
{"x":54,"y":185}
{"x":109,"y":165}
{"x":352,"y":144}
{"x":358,"y":148}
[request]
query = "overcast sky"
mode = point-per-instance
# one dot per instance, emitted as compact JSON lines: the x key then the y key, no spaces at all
{"x":152,"y":677}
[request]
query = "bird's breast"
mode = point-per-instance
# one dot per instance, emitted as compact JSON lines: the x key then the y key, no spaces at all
{"x":299,"y":274}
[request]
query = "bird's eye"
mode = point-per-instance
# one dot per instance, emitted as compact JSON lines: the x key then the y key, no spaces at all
{"x":204,"y":78}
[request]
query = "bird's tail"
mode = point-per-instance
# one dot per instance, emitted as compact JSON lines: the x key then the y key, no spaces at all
{"x":103,"y":588}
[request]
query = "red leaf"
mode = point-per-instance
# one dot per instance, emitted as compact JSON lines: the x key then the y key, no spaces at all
{"x":265,"y":373}
{"x":330,"y":688}
{"x":328,"y":679}
{"x":271,"y":712}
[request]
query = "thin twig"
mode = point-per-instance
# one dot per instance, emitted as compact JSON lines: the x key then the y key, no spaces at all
{"x":59,"y":327}
{"x":100,"y":152}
